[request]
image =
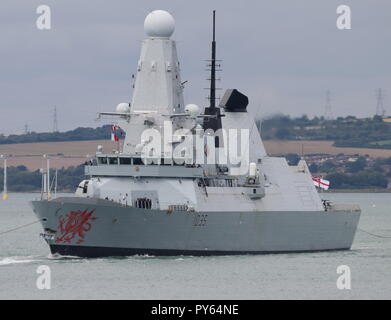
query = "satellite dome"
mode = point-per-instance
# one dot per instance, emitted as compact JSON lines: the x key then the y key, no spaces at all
{"x":159,"y":24}
{"x":123,"y":107}
{"x":193,"y":110}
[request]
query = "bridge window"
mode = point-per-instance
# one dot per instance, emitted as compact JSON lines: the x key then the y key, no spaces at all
{"x":102,"y":160}
{"x":137,"y":161}
{"x":113,"y":160}
{"x":125,"y":161}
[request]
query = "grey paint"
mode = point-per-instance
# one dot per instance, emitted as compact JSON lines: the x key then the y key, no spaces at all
{"x":122,"y":227}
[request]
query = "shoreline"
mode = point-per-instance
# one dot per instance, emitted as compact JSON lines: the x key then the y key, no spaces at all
{"x":356,"y":191}
{"x":320,"y":192}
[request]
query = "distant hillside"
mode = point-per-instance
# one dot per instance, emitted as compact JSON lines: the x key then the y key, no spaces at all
{"x":78,"y":134}
{"x":362,"y":173}
{"x":345,"y":132}
{"x":73,"y":153}
{"x":350,"y":131}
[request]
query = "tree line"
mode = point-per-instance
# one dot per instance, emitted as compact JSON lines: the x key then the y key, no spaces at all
{"x":19,"y":179}
{"x":351,"y":175}
{"x":78,"y":134}
{"x":344,"y":131}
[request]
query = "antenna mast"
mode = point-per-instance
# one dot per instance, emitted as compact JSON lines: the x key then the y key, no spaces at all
{"x":380,"y":111}
{"x":214,"y":121}
{"x":328,"y":113}
{"x":55,"y":125}
{"x":212,"y":94}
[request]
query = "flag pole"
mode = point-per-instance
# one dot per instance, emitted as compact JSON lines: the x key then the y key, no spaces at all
{"x":5,"y":191}
{"x":47,"y":176}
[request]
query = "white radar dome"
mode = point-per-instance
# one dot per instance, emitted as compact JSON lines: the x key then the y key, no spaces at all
{"x":123,"y":107}
{"x":192,"y":109}
{"x":159,"y":24}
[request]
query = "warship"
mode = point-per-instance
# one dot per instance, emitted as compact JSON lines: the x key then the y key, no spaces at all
{"x":189,"y":180}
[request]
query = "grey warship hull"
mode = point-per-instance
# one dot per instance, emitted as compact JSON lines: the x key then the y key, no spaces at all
{"x":100,"y":228}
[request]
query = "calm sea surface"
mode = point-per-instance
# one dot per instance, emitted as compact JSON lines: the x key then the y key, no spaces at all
{"x":273,"y":276}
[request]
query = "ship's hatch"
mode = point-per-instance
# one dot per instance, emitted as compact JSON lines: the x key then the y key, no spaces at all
{"x":145,"y":199}
{"x":143,"y":203}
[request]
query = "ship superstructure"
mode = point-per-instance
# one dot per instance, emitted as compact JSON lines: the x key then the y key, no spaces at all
{"x":179,"y":187}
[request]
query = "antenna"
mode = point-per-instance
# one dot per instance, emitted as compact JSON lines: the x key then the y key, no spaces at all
{"x":380,"y":111}
{"x":26,"y":128}
{"x":212,"y":94}
{"x":213,"y":123}
{"x":213,"y":68}
{"x":328,"y":114}
{"x":55,"y":125}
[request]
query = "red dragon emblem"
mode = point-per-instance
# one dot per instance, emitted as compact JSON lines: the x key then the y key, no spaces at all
{"x":75,"y":223}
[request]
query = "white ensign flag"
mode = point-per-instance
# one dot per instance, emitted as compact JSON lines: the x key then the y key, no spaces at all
{"x":321,"y":183}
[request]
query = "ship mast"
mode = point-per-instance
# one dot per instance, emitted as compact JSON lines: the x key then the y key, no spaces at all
{"x":213,"y":122}
{"x":212,"y":94}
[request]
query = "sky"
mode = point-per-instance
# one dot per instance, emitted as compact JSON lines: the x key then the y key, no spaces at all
{"x":284,"y":55}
